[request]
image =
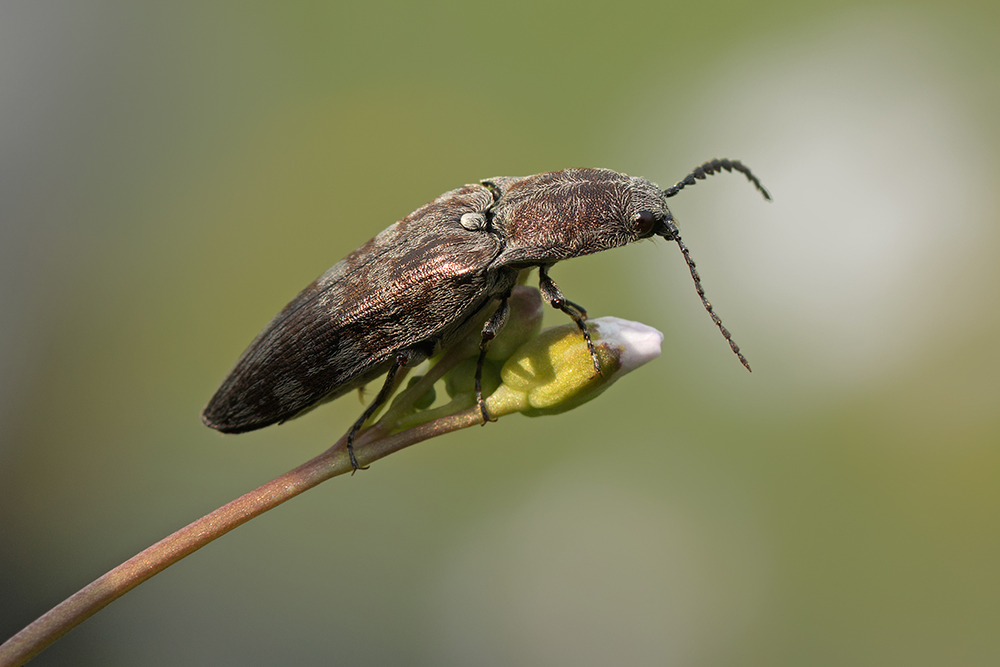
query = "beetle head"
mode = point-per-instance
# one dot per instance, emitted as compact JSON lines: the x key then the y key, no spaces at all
{"x":559,"y":215}
{"x":549,"y":217}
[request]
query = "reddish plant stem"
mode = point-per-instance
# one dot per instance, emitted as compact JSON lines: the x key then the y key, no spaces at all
{"x":370,"y":446}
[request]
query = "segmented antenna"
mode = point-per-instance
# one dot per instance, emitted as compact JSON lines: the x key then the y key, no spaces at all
{"x":675,"y":235}
{"x":714,"y":167}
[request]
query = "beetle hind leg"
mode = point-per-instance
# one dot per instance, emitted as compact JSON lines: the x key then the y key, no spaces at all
{"x":402,"y":359}
{"x":554,"y":297}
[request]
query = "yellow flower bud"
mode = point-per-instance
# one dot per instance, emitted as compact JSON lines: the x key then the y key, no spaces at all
{"x":553,"y":372}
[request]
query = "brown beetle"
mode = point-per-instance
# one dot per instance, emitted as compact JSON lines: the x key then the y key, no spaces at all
{"x":421,"y":284}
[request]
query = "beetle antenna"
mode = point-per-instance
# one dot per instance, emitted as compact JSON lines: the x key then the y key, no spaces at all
{"x":714,"y":167}
{"x":673,"y":234}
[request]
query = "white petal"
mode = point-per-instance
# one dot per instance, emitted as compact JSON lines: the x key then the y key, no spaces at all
{"x":639,"y":342}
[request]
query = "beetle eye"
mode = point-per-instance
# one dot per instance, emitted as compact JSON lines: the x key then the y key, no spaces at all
{"x":644,"y":222}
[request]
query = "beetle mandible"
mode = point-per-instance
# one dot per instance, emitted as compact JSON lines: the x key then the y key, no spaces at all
{"x":420,"y":285}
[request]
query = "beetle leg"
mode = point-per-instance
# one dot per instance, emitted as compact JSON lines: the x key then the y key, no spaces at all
{"x":492,"y":327}
{"x":580,"y":310}
{"x":554,"y":296}
{"x":402,"y":358}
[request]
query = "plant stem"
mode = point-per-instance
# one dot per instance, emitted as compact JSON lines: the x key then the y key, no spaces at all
{"x":371,"y":445}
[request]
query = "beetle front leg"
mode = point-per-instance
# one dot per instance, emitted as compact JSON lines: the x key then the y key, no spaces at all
{"x":580,"y":310}
{"x":554,"y":297}
{"x":402,"y":359}
{"x":490,"y":330}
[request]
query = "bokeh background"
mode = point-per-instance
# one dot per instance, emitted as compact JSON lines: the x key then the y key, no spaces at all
{"x":171,"y":174}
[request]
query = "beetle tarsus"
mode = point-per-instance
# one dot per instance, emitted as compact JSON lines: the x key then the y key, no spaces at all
{"x":492,"y":327}
{"x":402,"y":358}
{"x":355,"y":466}
{"x":479,"y":383}
{"x":482,"y":405}
{"x":554,"y":296}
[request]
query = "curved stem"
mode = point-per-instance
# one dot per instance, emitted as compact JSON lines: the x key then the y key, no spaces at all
{"x":370,"y":446}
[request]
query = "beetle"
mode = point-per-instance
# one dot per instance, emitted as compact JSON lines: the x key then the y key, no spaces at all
{"x":430,"y":279}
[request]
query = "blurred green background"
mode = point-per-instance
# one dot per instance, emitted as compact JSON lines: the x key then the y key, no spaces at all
{"x":172,"y":174}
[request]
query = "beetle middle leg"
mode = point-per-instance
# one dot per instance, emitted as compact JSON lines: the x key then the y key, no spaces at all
{"x":492,"y":327}
{"x":554,"y":297}
{"x":402,"y":359}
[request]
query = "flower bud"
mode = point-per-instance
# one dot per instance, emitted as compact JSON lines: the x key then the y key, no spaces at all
{"x":523,"y":323}
{"x":462,"y":379}
{"x":554,"y":372}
